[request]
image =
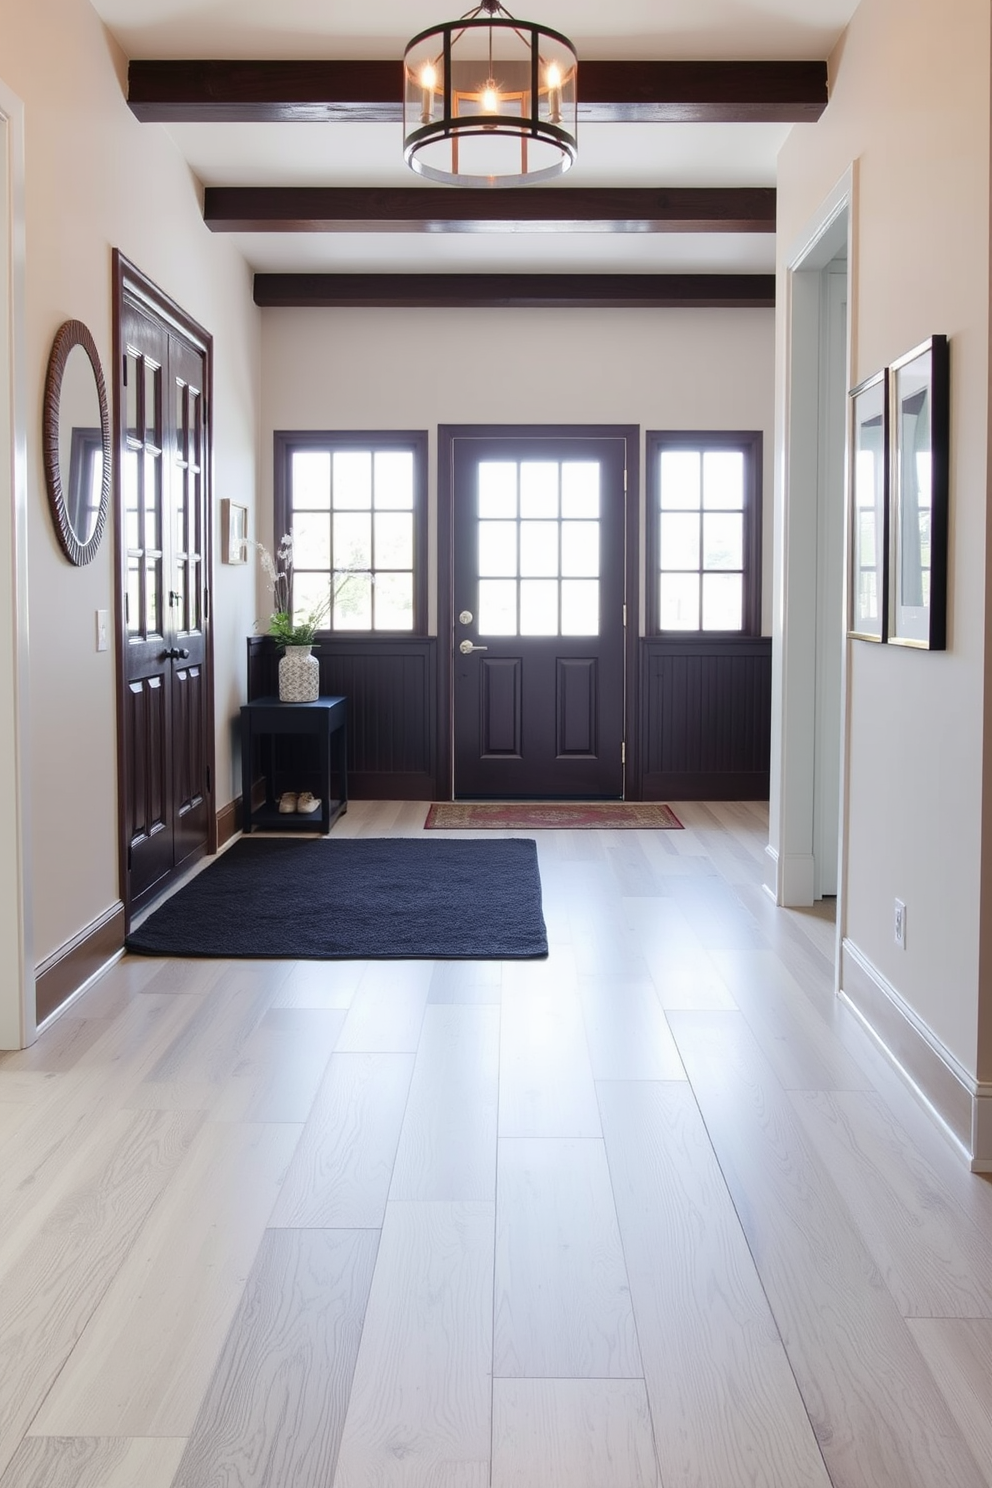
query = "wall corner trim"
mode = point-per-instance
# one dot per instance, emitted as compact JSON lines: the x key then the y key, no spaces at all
{"x":796,"y":879}
{"x":66,"y":973}
{"x":959,"y":1102}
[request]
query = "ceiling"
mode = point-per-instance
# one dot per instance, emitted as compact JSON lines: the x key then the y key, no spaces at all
{"x":359,"y":154}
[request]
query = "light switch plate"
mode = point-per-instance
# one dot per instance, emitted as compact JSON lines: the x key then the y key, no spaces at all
{"x":102,"y":630}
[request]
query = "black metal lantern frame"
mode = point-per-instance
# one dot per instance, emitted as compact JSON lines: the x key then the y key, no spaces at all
{"x":490,"y":101}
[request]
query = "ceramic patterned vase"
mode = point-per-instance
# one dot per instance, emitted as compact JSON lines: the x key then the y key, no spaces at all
{"x":299,"y":676}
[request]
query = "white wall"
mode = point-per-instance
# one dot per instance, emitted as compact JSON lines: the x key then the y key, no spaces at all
{"x":415,"y":369}
{"x":96,"y":179}
{"x":910,"y":103}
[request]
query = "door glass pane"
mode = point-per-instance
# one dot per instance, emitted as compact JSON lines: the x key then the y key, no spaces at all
{"x":133,"y":375}
{"x":394,"y":601}
{"x":580,"y":549}
{"x":580,"y":607}
{"x":538,"y":607}
{"x":497,"y":607}
{"x":352,"y":479}
{"x":311,"y":594}
{"x":353,"y":601}
{"x":722,"y":601}
{"x":180,"y":512}
{"x":312,"y":540}
{"x":134,"y":596}
{"x":182,"y":439}
{"x":394,"y":540}
{"x":352,"y":540}
{"x":153,"y":502}
{"x":539,"y":549}
{"x":497,"y":550}
{"x":679,"y":540}
{"x":195,"y":534}
{"x":580,"y":489}
{"x":195,"y":449}
{"x":723,"y":540}
{"x":193,"y":591}
{"x":311,"y":480}
{"x":153,"y":404}
{"x":497,"y":489}
{"x":723,"y":479}
{"x":129,"y":481}
{"x":177,"y":599}
{"x":538,"y":488}
{"x":153,"y":597}
{"x":679,"y":601}
{"x":680,"y":480}
{"x":394,"y":480}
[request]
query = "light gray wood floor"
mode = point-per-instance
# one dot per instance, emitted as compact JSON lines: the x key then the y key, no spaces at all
{"x":654,"y":1213}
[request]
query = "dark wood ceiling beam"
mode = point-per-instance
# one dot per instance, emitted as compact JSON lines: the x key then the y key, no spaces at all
{"x":197,"y":92}
{"x":430,"y":209}
{"x":532,"y":291}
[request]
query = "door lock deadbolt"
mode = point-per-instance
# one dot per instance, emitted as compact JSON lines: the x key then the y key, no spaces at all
{"x":465,"y":618}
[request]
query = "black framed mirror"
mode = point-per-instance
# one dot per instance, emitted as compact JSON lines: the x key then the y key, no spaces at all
{"x":76,"y":442}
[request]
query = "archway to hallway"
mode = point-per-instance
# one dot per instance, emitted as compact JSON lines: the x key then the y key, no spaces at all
{"x":805,"y":826}
{"x":17,"y":1022}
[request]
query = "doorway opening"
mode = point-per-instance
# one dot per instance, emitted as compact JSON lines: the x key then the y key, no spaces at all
{"x":18,"y":1022}
{"x":536,"y":581}
{"x":805,"y":837}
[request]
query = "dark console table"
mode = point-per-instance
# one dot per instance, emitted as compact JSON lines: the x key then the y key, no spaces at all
{"x":266,"y":720}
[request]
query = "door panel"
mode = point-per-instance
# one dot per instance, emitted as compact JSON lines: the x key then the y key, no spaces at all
{"x":148,"y":797}
{"x":501,"y":722}
{"x":538,"y":592}
{"x":578,"y":706}
{"x":166,"y":717}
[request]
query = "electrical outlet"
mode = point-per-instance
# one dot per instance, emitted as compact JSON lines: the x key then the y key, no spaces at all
{"x":102,"y":630}
{"x":900,"y":924}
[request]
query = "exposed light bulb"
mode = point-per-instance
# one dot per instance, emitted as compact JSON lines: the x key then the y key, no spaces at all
{"x":428,"y":81}
{"x":553,"y":77}
{"x":490,"y":98}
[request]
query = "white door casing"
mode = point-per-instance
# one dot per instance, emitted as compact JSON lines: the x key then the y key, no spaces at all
{"x":17,"y":1001}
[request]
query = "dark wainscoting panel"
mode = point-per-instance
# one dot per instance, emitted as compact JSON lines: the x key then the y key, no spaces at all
{"x":391,"y":687}
{"x":706,"y":719}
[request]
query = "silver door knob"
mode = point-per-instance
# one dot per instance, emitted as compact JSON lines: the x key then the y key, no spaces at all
{"x":465,"y":618}
{"x":467,"y":647}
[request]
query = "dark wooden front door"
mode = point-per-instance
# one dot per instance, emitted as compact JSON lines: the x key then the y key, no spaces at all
{"x":166,"y":719}
{"x":538,"y":602}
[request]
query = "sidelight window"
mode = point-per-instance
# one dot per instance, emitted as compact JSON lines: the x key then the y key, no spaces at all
{"x":355,"y":504}
{"x":539,"y":547}
{"x":704,"y":528}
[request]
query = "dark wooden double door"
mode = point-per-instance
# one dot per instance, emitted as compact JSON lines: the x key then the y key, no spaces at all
{"x":538,"y":603}
{"x":166,"y":730}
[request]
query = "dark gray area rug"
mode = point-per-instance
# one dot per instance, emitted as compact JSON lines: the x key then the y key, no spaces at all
{"x":356,"y":898}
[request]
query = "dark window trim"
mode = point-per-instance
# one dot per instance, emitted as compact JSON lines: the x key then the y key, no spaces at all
{"x":750,"y":441}
{"x":285,"y":441}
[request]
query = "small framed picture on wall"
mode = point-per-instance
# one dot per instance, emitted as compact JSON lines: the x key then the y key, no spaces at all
{"x":919,"y":445}
{"x":234,"y":532}
{"x":869,"y":485}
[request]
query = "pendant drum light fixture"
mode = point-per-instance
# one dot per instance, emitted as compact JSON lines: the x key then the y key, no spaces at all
{"x":489,"y":101}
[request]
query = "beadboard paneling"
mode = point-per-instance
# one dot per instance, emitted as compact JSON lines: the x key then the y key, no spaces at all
{"x":706,"y":719}
{"x":391,"y":687}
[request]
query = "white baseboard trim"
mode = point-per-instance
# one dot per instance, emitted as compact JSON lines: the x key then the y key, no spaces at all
{"x":961,"y":1103}
{"x":796,"y":880}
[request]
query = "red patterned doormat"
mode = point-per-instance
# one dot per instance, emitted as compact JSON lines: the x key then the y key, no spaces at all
{"x":453,"y":816}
